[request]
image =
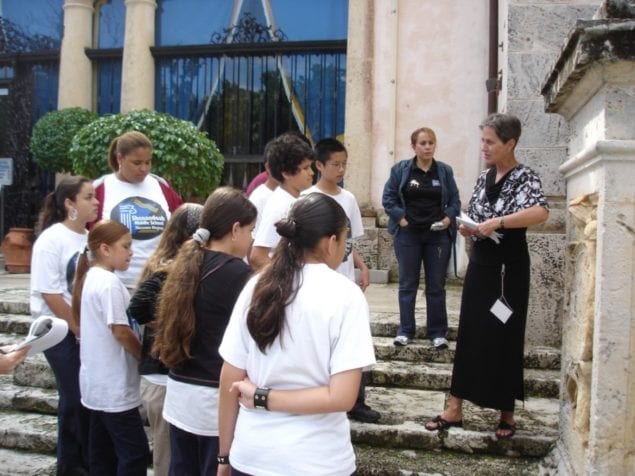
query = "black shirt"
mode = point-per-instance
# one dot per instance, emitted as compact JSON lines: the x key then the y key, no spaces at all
{"x":422,"y":194}
{"x":213,"y":305}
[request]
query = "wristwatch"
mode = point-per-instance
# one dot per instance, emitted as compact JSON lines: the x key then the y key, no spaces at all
{"x":501,"y":222}
{"x":222,"y":459}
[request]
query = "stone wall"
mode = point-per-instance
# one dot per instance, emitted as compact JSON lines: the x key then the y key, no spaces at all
{"x":592,"y":86}
{"x":578,"y":320}
{"x":531,"y":34}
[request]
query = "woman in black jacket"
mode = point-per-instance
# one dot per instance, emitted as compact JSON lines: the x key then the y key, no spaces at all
{"x":422,"y":200}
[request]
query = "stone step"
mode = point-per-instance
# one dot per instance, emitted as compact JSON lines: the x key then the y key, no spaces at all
{"x":404,"y":411}
{"x":385,"y":324}
{"x":27,"y":399}
{"x":374,"y":461}
{"x":20,"y":463}
{"x":401,"y":426}
{"x":421,"y":350}
{"x":15,"y":323}
{"x":14,"y":299}
{"x":35,"y":372}
{"x":32,"y":432}
{"x":437,"y":376}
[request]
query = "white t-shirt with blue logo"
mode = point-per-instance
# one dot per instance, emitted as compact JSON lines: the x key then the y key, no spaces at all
{"x":141,"y":207}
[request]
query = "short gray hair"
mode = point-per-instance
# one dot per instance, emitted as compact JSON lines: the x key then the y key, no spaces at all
{"x":505,"y":126}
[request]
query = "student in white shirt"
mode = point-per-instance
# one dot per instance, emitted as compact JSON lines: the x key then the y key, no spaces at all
{"x":194,"y":306}
{"x":330,"y":159}
{"x":261,"y":194}
{"x":290,"y":159}
{"x":110,"y":351}
{"x":61,"y":238}
{"x":294,"y":351}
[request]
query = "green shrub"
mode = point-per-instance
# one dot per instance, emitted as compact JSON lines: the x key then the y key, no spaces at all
{"x":181,"y":153}
{"x":52,"y":136}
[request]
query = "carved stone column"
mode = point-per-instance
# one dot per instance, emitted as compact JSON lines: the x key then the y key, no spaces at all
{"x":76,"y":79}
{"x":137,"y":75}
{"x":359,"y":85}
{"x":593,"y":86}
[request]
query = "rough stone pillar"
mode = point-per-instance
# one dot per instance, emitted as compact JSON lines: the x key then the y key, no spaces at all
{"x":76,"y":78}
{"x":359,"y":84}
{"x":592,"y":86}
{"x":137,"y":75}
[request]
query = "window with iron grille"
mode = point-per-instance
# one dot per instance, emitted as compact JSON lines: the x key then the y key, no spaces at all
{"x":248,"y":70}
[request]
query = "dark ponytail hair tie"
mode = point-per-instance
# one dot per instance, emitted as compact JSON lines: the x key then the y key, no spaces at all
{"x":288,"y":228}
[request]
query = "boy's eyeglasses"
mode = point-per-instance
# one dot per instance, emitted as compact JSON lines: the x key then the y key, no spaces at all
{"x":337,"y":165}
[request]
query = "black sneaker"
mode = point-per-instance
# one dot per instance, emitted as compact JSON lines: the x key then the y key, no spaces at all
{"x":364,"y":413}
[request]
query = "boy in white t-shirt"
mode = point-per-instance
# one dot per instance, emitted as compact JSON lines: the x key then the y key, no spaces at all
{"x":330,"y":160}
{"x":261,"y":194}
{"x":289,"y":158}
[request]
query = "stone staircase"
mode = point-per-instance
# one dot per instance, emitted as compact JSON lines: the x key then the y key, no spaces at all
{"x":408,"y":386}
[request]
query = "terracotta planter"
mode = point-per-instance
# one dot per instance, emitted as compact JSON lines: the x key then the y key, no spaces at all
{"x":16,"y":247}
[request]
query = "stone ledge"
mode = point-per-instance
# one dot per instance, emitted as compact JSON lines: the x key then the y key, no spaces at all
{"x":20,"y":463}
{"x":376,"y":276}
{"x":536,"y":357}
{"x":589,"y":42}
{"x":404,"y":411}
{"x":437,"y":376}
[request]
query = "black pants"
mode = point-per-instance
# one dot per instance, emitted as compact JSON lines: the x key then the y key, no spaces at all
{"x":118,"y":444}
{"x":192,"y":455}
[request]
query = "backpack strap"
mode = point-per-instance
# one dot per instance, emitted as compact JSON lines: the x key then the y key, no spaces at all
{"x":216,"y":268}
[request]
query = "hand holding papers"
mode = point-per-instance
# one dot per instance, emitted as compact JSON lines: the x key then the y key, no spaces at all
{"x":472,"y":225}
{"x":44,"y":333}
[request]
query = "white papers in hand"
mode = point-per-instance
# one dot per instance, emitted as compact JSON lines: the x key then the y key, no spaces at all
{"x":44,"y":333}
{"x":467,"y":222}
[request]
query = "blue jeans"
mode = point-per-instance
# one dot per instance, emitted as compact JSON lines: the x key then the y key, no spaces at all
{"x":433,"y":249}
{"x":118,"y":444}
{"x":192,"y":455}
{"x":72,"y":417}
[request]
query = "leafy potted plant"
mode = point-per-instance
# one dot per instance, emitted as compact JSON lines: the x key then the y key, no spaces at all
{"x":181,"y":153}
{"x":52,"y":136}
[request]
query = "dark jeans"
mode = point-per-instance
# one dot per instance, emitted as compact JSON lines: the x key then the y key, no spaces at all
{"x":192,"y":455}
{"x":72,"y":417}
{"x":433,"y":249}
{"x":118,"y":444}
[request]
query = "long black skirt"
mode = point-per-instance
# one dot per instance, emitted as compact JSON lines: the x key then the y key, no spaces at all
{"x":488,"y":365}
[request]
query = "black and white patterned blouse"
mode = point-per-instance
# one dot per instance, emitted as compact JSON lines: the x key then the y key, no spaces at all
{"x":521,"y":190}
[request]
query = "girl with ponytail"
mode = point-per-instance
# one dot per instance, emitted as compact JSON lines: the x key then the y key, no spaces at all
{"x":194,"y":307}
{"x":294,"y":350}
{"x":62,"y":235}
{"x":109,"y":353}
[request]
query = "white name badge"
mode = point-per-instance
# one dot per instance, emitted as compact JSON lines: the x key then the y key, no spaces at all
{"x":501,"y":310}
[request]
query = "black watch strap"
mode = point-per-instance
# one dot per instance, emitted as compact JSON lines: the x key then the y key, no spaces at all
{"x":261,"y":398}
{"x":222,"y":459}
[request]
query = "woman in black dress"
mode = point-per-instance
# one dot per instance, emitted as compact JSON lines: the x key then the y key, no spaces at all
{"x":507,"y":198}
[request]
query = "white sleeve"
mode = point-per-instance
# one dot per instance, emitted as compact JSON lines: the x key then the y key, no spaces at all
{"x":266,"y":235}
{"x":115,"y":302}
{"x":353,"y":346}
{"x":45,"y":272}
{"x":357,"y":227}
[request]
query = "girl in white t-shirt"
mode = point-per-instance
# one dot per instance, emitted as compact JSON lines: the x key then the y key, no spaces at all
{"x":193,"y":311}
{"x":109,"y":354}
{"x":61,"y":238}
{"x":294,"y":351}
